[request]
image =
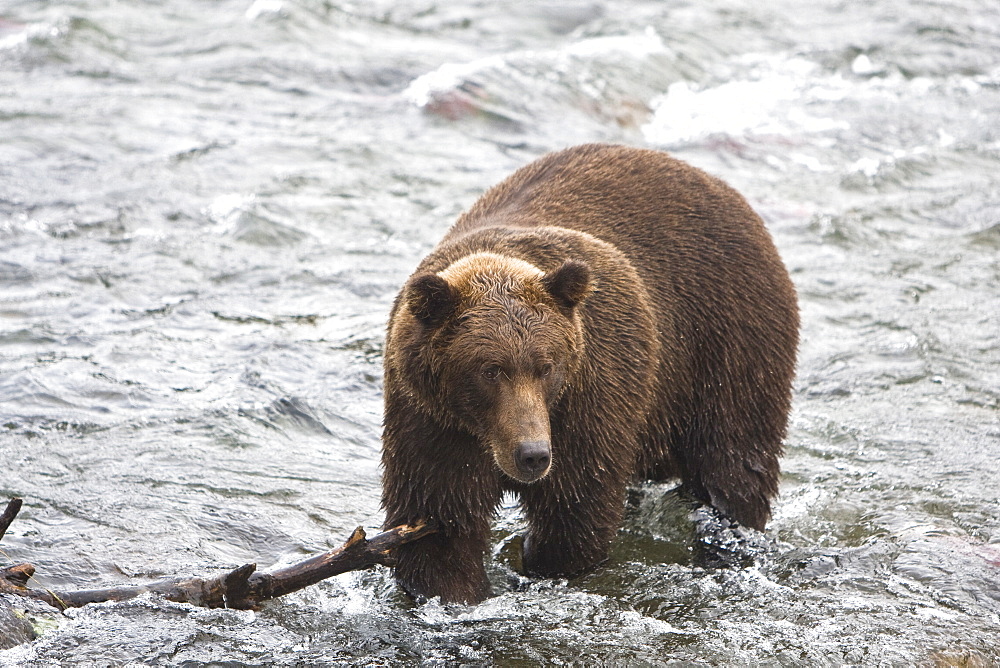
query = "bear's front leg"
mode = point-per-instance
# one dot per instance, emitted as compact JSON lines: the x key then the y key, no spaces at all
{"x":443,"y":476}
{"x":447,"y":566}
{"x":571,"y":524}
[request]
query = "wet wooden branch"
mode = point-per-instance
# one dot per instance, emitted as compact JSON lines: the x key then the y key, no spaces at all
{"x":8,"y":515}
{"x":242,"y":588}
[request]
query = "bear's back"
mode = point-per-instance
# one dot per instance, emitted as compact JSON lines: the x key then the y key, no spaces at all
{"x":691,"y":238}
{"x":659,"y":211}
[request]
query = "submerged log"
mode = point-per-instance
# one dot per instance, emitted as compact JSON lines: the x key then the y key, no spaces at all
{"x":242,"y":588}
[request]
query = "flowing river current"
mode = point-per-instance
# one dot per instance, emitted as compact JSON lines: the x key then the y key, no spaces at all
{"x":206,"y":209}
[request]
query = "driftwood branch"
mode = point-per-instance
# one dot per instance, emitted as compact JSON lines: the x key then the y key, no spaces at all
{"x":242,"y":588}
{"x":8,"y":515}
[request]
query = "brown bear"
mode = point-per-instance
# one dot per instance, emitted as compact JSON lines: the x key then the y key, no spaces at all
{"x":606,"y":314}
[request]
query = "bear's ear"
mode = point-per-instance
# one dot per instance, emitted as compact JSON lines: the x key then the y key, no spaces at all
{"x":569,"y":284}
{"x":431,"y":299}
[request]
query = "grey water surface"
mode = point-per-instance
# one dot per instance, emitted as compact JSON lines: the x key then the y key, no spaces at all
{"x":206,"y":209}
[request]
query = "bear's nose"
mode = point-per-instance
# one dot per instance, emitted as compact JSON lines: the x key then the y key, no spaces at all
{"x":533,"y":458}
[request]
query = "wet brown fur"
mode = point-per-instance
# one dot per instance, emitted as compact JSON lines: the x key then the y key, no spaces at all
{"x":654,"y":298}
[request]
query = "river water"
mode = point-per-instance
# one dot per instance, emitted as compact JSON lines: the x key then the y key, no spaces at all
{"x":206,"y":209}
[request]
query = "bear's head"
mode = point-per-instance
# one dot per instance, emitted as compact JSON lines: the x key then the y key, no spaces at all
{"x":491,"y":343}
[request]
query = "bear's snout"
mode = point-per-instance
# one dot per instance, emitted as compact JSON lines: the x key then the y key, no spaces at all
{"x":518,"y":432}
{"x":532,"y":459}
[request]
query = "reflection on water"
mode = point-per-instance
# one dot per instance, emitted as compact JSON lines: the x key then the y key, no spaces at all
{"x":206,"y":210}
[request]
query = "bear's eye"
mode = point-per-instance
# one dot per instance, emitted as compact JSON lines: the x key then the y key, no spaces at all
{"x":491,"y":372}
{"x":545,"y":370}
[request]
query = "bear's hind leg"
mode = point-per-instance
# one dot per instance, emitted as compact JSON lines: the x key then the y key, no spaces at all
{"x":737,"y":473}
{"x":744,"y":496}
